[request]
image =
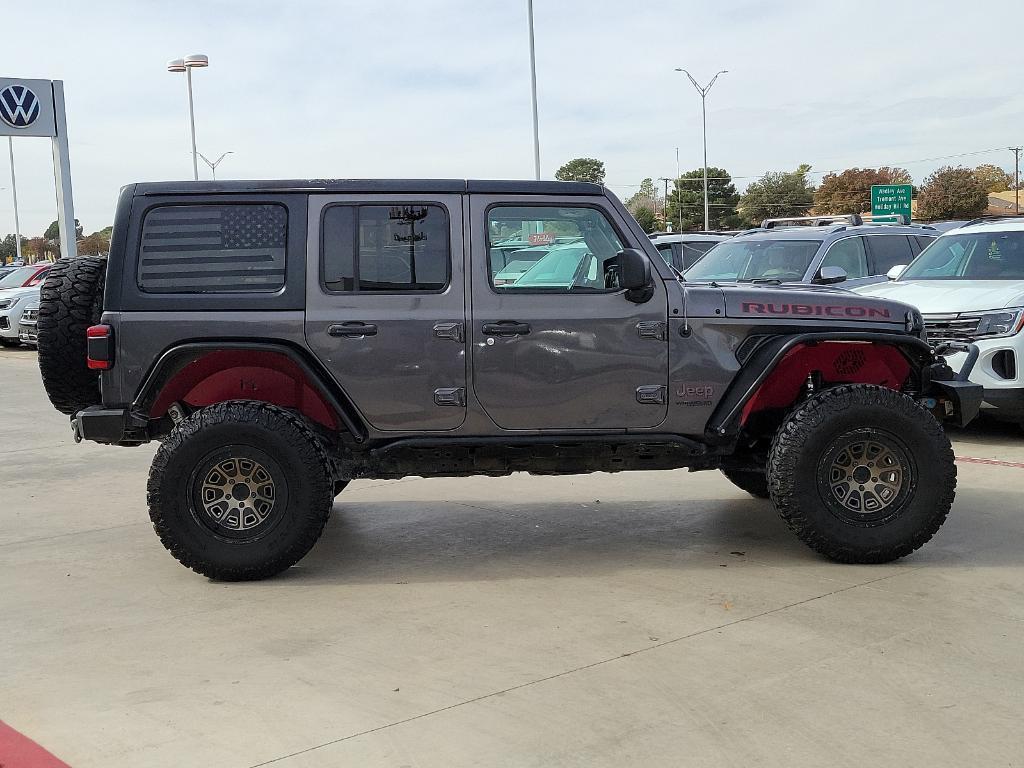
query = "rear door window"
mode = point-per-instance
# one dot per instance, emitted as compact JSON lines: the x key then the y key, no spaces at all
{"x":887,"y":251}
{"x":848,"y":254}
{"x":394,"y":248}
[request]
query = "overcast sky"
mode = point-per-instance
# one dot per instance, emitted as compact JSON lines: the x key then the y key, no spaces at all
{"x":440,"y":88}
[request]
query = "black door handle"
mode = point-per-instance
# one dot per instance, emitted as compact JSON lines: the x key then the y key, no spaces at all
{"x":506,"y":328}
{"x":352,"y":330}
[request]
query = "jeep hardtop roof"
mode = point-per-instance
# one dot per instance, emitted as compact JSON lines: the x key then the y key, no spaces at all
{"x":377,"y":186}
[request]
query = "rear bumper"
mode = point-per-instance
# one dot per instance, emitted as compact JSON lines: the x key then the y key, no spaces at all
{"x":112,"y":426}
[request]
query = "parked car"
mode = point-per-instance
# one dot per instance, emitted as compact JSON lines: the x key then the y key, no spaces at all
{"x":852,"y":253}
{"x":518,"y":261}
{"x":25,"y":277}
{"x":13,"y":302}
{"x":280,"y":339}
{"x":969,"y":286}
{"x":27,"y":323}
{"x":683,"y":250}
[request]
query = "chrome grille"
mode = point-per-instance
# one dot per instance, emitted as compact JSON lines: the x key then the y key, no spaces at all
{"x":950,"y":327}
{"x":29,"y":316}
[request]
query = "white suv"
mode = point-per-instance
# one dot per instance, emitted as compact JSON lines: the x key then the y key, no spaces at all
{"x":969,"y":285}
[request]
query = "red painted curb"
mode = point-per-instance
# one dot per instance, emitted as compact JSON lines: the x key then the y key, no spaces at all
{"x":18,"y":751}
{"x":993,"y":462}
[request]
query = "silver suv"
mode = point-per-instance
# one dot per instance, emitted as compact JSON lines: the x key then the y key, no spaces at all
{"x":843,"y":250}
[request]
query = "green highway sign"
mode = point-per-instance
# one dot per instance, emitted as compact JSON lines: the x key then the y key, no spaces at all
{"x":891,"y":200}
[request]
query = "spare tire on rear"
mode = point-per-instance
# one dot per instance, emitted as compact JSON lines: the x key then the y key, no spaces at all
{"x":70,"y":301}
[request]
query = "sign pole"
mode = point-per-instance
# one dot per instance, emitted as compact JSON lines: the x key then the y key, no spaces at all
{"x":14,"y":190}
{"x":62,"y":176}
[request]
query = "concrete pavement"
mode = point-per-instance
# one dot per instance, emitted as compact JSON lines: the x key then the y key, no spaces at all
{"x":603,"y":620}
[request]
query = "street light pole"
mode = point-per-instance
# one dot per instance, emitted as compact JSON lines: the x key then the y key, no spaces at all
{"x":703,"y":91}
{"x":14,"y":191}
{"x":533,"y":94}
{"x":186,"y":65}
{"x":1016,"y":177}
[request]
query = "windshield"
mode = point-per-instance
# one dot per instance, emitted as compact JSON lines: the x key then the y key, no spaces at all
{"x":17,"y":278}
{"x":684,"y":254}
{"x":977,"y":256}
{"x":755,"y":259}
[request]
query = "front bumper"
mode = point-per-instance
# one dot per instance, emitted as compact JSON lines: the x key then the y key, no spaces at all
{"x":999,"y":371}
{"x":9,"y":320}
{"x":958,"y":399}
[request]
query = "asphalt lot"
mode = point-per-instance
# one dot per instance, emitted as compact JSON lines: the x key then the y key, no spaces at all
{"x":604,"y":620}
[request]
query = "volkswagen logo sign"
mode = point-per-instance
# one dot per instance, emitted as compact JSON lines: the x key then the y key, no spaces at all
{"x":19,"y":106}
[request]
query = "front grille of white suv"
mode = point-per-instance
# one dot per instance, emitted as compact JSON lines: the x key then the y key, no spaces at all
{"x":950,"y":327}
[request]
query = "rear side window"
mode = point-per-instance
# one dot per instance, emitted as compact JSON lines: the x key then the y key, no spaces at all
{"x":848,"y":255}
{"x":385,"y":248}
{"x":213,"y":248}
{"x":889,"y":250}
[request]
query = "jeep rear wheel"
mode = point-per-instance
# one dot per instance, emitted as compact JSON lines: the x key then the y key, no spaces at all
{"x":753,"y":481}
{"x":862,"y":474}
{"x":70,"y":300}
{"x":240,"y":490}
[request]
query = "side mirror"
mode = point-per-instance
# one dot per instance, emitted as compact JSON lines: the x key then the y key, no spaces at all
{"x":635,"y":275}
{"x":895,"y":272}
{"x":830,"y":275}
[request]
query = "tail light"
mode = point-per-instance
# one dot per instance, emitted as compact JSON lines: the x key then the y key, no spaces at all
{"x":100,"y":347}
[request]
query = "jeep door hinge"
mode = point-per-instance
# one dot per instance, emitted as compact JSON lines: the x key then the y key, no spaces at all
{"x":651,"y":394}
{"x":652,"y":329}
{"x":452,"y":331}
{"x":450,"y":396}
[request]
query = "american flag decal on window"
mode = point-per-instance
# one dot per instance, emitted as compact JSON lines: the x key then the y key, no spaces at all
{"x":213,"y":248}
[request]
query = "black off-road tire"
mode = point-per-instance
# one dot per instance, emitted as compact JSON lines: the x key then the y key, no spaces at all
{"x":803,"y":463}
{"x":280,"y":441}
{"x":339,"y":486}
{"x":752,"y":481}
{"x":70,"y":300}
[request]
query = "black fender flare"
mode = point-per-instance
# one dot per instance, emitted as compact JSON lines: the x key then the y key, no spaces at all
{"x":174,"y":359}
{"x":759,"y":364}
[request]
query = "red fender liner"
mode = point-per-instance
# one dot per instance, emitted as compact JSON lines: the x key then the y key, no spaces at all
{"x":222,"y":375}
{"x":839,"y":362}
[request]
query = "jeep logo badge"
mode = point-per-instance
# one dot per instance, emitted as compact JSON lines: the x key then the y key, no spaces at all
{"x":19,"y":106}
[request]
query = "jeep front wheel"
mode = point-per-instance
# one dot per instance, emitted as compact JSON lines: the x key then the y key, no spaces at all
{"x":862,"y":474}
{"x":240,"y":490}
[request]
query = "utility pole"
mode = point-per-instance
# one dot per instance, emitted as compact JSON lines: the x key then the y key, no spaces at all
{"x":1016,"y":177}
{"x":703,"y":91}
{"x":679,"y":192}
{"x":664,"y":200}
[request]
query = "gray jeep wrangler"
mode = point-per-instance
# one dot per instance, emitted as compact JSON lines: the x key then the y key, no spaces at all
{"x":283,"y":338}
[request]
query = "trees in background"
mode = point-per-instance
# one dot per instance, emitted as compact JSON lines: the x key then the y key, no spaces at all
{"x":48,"y":246}
{"x":850,"y":191}
{"x":582,"y":169}
{"x":643,"y":204}
{"x":952,"y":193}
{"x":993,"y":178}
{"x":685,"y":209}
{"x":778,"y":194}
